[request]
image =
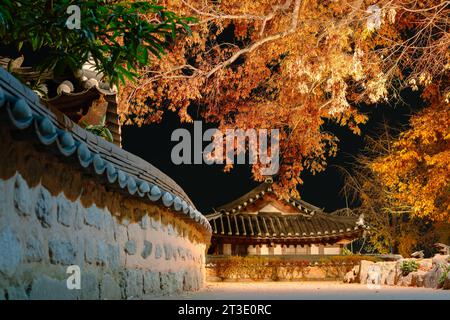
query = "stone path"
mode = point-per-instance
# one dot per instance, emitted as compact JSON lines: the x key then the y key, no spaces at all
{"x":310,"y":291}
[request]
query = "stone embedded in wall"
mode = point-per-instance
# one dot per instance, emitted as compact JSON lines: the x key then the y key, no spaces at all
{"x":133,"y":283}
{"x":181,"y":253}
{"x":43,"y":207}
{"x":45,"y":288}
{"x":168,"y":251}
{"x":16,"y":293}
{"x":145,"y":222}
{"x":102,"y":253}
{"x":34,"y":248}
{"x":64,"y":211}
{"x":94,"y":217}
{"x":121,"y":233}
{"x":191,"y":280}
{"x":175,"y":253}
{"x":130,"y":247}
{"x":10,"y":251}
{"x":200,"y":279}
{"x":90,"y":287}
{"x":22,"y":197}
{"x":80,"y":213}
{"x":170,"y":230}
{"x":154,"y":223}
{"x":171,"y":282}
{"x":158,"y":251}
{"x":113,"y":256}
{"x":109,"y":226}
{"x":147,"y":250}
{"x":61,"y":252}
{"x":90,"y":250}
{"x":152,"y":282}
{"x":110,"y":288}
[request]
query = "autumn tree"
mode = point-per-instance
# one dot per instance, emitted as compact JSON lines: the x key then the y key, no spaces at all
{"x":417,"y":168}
{"x":393,"y":227}
{"x":292,"y":65}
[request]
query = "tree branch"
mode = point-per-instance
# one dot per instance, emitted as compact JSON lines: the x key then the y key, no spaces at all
{"x":257,"y":44}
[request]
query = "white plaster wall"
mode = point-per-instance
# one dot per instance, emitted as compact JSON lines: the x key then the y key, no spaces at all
{"x":264,"y":250}
{"x":314,"y":249}
{"x":277,"y":250}
{"x":332,"y":250}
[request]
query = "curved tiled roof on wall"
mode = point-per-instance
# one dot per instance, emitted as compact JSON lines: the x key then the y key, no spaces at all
{"x":131,"y":174}
{"x":307,"y":224}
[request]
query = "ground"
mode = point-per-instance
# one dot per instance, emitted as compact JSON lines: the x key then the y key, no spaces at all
{"x":310,"y":290}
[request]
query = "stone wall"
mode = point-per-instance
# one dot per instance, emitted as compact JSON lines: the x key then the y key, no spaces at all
{"x":54,"y":215}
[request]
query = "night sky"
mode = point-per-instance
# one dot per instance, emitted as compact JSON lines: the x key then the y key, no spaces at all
{"x":208,"y":186}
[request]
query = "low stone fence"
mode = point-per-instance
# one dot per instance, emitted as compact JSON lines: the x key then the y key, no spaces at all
{"x":430,"y":273}
{"x":282,"y":268}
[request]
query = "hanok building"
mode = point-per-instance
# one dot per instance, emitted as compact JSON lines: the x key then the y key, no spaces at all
{"x":263,"y":223}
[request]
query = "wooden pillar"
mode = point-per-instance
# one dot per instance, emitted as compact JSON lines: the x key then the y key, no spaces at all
{"x":227,"y":249}
{"x":321,"y":249}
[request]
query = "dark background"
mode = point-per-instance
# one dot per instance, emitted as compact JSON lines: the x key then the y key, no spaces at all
{"x":208,"y":186}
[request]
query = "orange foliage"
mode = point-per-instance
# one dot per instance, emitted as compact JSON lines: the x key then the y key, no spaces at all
{"x":418,"y":170}
{"x":287,"y":64}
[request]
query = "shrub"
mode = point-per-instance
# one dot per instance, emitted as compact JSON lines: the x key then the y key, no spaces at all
{"x":277,"y":268}
{"x":260,"y":268}
{"x":444,"y":275}
{"x":100,"y":129}
{"x":409,"y":266}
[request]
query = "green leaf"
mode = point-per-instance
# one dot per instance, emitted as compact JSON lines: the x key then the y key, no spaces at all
{"x":103,"y":120}
{"x":109,"y":135}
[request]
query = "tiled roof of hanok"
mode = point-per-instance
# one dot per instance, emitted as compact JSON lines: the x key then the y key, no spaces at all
{"x":73,"y":100}
{"x":117,"y":167}
{"x":309,"y":223}
{"x":77,"y":104}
